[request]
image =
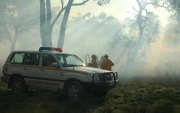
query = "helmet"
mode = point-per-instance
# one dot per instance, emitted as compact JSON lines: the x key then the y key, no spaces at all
{"x":93,"y":56}
{"x":105,"y":56}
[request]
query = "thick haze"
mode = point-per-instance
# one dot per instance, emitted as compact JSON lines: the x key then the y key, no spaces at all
{"x":100,"y":30}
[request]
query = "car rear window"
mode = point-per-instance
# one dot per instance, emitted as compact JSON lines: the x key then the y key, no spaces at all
{"x":32,"y":59}
{"x":17,"y":58}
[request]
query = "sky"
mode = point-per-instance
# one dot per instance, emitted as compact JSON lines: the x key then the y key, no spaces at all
{"x":117,"y":8}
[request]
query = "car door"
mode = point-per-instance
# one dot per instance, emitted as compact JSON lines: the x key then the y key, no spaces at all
{"x":16,"y":64}
{"x":50,"y":74}
{"x":32,"y":68}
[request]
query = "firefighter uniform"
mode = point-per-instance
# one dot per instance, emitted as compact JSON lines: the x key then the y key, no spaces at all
{"x":94,"y":61}
{"x":106,"y":63}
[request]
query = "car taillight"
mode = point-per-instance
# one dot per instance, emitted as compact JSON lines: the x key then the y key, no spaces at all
{"x":5,"y":69}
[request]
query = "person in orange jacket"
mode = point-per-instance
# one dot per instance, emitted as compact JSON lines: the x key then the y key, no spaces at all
{"x":106,"y":63}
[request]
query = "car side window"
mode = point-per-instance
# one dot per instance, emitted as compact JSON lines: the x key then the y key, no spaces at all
{"x":17,"y":58}
{"x":48,"y":60}
{"x":70,"y":60}
{"x":32,"y":59}
{"x":61,"y":59}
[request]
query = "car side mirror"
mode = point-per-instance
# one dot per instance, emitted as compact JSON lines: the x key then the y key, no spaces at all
{"x":89,"y":65}
{"x":55,"y":65}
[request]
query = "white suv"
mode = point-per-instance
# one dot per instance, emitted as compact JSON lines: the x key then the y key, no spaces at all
{"x":54,"y":70}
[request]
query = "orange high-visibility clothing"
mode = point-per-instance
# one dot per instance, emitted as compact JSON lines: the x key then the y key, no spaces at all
{"x":107,"y":64}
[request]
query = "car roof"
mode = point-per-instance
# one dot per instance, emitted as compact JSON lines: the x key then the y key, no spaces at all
{"x":31,"y":51}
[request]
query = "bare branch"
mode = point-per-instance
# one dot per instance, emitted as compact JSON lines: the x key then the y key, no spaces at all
{"x":25,"y":29}
{"x":58,"y":15}
{"x":82,"y":3}
{"x":9,"y":36}
{"x":166,"y":5}
{"x":28,"y":26}
{"x":62,"y":4}
{"x":102,"y":2}
{"x":148,"y":3}
{"x":135,"y":9}
{"x":63,"y":8}
{"x":139,"y":4}
{"x":145,"y":10}
{"x":30,"y":32}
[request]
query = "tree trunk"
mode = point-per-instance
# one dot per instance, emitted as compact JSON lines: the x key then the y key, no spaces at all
{"x":139,"y":43}
{"x":45,"y":19}
{"x":13,"y":43}
{"x":64,"y":23}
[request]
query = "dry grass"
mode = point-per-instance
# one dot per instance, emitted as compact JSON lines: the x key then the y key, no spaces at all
{"x":133,"y":96}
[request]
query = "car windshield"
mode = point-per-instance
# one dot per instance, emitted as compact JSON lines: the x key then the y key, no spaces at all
{"x":69,"y":60}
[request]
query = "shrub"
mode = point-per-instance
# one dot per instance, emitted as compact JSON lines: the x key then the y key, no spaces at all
{"x":108,"y":109}
{"x":163,"y":106}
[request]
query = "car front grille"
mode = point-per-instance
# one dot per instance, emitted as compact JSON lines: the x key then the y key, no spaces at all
{"x":107,"y":77}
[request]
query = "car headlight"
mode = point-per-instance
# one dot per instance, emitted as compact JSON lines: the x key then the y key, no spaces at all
{"x":116,"y":77}
{"x":94,"y":77}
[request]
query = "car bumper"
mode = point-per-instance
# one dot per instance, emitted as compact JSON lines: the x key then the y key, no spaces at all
{"x":91,"y":87}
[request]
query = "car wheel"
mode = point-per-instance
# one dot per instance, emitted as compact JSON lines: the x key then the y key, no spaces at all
{"x":74,"y":90}
{"x":18,"y":85}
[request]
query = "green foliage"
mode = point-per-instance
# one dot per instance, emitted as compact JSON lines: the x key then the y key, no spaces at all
{"x":163,"y":106}
{"x":102,"y":2}
{"x":175,"y":4}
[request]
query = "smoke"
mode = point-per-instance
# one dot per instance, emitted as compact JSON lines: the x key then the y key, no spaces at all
{"x":90,"y":34}
{"x":4,"y":53}
{"x":159,"y":58}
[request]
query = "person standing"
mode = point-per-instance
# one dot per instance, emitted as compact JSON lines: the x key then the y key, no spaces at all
{"x":106,"y":63}
{"x":94,"y":61}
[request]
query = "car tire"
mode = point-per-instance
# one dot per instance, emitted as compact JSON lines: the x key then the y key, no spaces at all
{"x":18,"y":85}
{"x":74,"y":90}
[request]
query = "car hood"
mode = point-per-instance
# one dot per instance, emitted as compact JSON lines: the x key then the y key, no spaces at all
{"x":88,"y":69}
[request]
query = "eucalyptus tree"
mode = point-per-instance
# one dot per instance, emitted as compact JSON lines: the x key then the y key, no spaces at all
{"x":15,"y":19}
{"x":99,"y":26}
{"x":174,"y":4}
{"x":65,"y":19}
{"x":47,"y":24}
{"x":143,"y":23}
{"x":66,"y":16}
{"x":172,"y":33}
{"x":94,"y":32}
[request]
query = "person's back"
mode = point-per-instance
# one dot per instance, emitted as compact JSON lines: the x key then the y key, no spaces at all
{"x":94,"y":61}
{"x":106,"y":63}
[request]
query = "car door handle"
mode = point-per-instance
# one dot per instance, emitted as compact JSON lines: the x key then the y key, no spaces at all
{"x":42,"y":70}
{"x":62,"y":74}
{"x":24,"y":68}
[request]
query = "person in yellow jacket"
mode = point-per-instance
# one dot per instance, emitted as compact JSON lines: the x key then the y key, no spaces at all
{"x":106,"y":63}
